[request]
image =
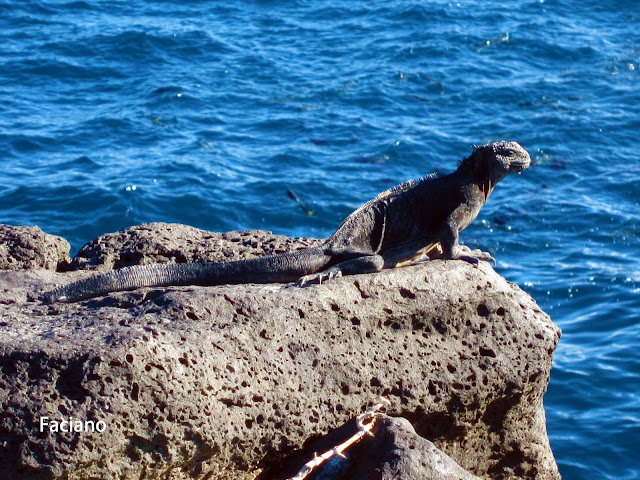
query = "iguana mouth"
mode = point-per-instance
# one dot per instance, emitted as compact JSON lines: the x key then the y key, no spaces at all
{"x":518,"y":166}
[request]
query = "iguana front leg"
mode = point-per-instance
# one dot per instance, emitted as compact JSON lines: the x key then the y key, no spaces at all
{"x":451,"y":249}
{"x":354,"y":266}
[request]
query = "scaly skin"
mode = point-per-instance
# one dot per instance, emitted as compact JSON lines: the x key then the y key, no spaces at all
{"x":415,"y":219}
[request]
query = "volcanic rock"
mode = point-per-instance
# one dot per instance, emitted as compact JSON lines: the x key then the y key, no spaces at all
{"x":238,"y":382}
{"x":30,"y":247}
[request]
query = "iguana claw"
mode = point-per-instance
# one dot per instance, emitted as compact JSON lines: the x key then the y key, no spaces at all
{"x":320,"y":276}
{"x":474,"y":256}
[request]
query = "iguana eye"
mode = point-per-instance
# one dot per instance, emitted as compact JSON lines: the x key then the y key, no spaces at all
{"x":505,"y":150}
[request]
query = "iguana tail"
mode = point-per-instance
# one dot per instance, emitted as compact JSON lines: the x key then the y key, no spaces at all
{"x":283,"y":268}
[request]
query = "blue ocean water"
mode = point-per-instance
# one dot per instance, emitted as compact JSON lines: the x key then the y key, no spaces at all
{"x":202,"y":112}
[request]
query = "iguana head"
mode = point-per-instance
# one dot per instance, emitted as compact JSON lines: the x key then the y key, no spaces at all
{"x":511,"y":155}
{"x":490,"y":163}
{"x":496,"y":160}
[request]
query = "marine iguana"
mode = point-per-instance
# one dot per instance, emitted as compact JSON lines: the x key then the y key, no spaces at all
{"x":415,"y":219}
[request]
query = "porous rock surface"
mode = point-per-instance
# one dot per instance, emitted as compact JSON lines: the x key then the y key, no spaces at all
{"x":237,"y":382}
{"x":177,"y":243}
{"x":29,"y":247}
